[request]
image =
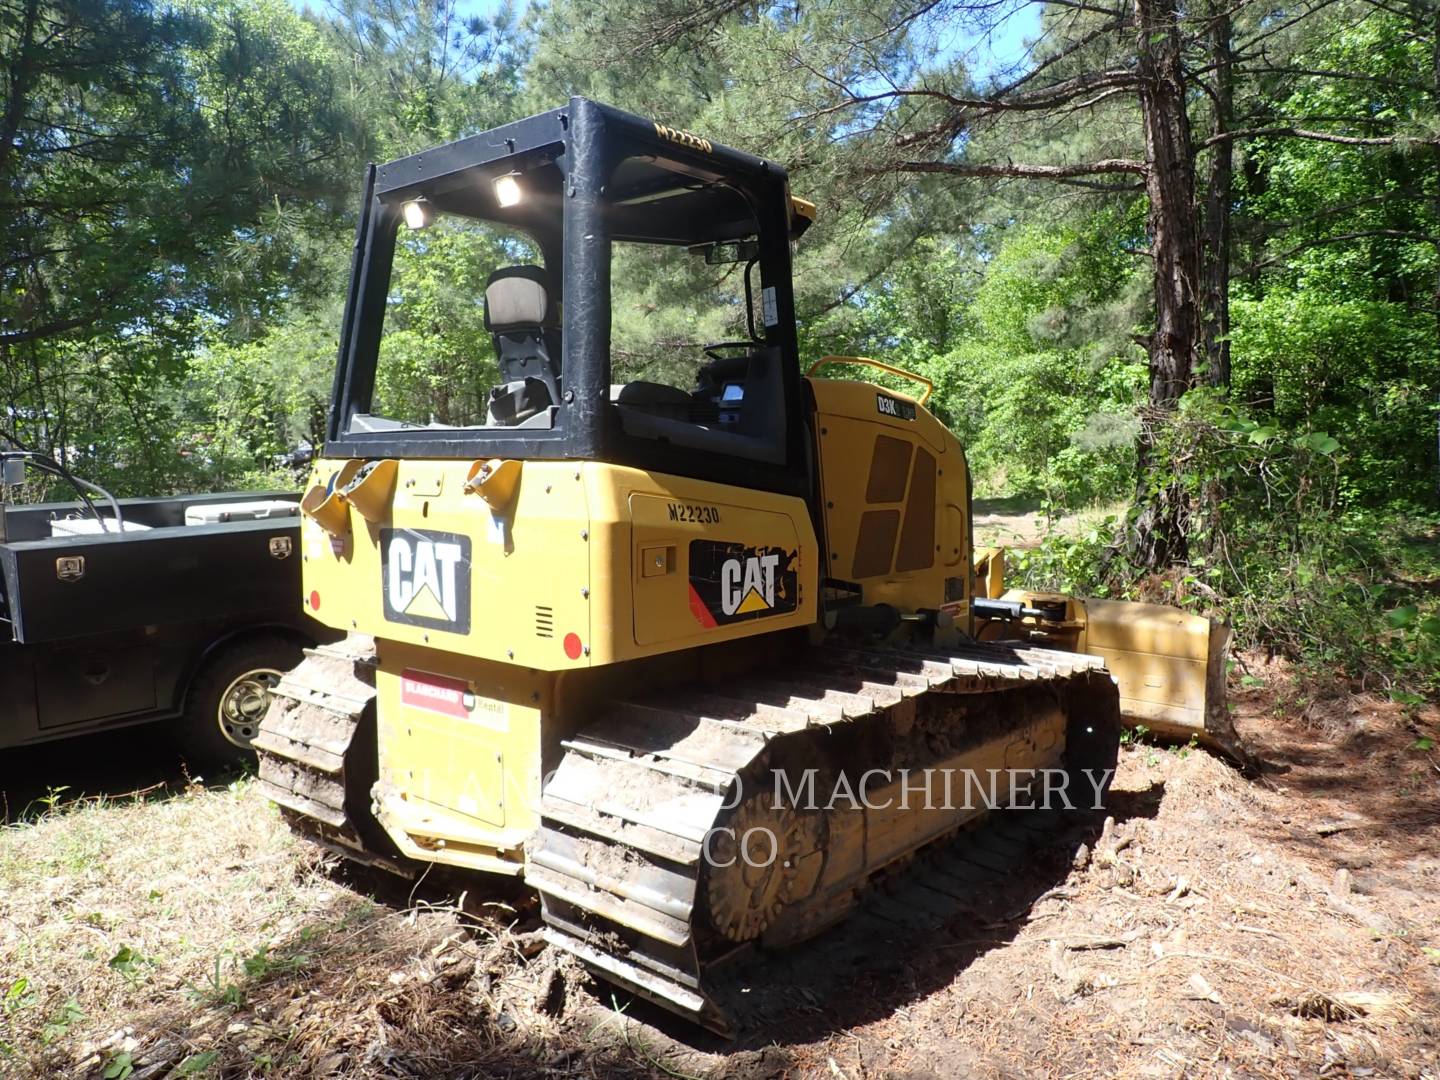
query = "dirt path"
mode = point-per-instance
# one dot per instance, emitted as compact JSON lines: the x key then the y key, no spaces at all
{"x":1285,"y":925}
{"x":1288,"y":926}
{"x":1020,"y":523}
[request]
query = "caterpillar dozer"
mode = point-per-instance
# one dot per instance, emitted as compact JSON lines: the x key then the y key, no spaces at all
{"x":689,"y":643}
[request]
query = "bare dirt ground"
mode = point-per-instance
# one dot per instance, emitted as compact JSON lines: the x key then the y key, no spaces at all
{"x":1281,"y":925}
{"x":1021,"y":523}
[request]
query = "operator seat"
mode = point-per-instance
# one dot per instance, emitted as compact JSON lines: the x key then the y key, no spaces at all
{"x":525,"y":327}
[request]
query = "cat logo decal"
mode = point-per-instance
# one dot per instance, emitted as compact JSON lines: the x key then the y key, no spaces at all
{"x":426,"y":578}
{"x":731,"y":583}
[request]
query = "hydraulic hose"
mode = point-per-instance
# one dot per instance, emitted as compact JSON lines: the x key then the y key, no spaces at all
{"x":48,"y":464}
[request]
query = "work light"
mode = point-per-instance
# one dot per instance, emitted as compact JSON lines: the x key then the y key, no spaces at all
{"x":508,"y":191}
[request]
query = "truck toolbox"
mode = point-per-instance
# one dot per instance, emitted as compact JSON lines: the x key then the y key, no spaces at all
{"x":253,"y":510}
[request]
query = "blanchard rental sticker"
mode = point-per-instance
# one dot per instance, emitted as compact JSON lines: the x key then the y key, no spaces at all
{"x":449,"y":696}
{"x":435,"y":693}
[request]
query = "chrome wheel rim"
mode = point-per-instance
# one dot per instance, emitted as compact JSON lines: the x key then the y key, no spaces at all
{"x":243,"y":705}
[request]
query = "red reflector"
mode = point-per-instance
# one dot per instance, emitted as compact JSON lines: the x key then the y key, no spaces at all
{"x":314,"y":600}
{"x":572,"y":646}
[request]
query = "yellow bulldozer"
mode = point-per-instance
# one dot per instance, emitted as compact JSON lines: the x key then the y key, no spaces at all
{"x":628,"y":634}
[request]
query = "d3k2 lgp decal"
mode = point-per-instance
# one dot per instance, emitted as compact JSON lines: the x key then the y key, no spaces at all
{"x":730,"y":583}
{"x":426,"y":578}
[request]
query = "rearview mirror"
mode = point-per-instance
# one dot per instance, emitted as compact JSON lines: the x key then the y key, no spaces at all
{"x":728,"y":251}
{"x":12,"y":472}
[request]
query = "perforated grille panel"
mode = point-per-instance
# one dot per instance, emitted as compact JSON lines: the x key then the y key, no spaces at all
{"x":917,"y":538}
{"x":888,"y":467}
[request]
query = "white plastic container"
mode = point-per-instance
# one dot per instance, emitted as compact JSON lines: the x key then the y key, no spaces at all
{"x":88,"y":526}
{"x":255,"y":510}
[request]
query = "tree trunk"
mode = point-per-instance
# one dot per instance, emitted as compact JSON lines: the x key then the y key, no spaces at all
{"x":17,"y":89}
{"x":1219,"y":183}
{"x":1435,"y":153}
{"x":1159,"y":538}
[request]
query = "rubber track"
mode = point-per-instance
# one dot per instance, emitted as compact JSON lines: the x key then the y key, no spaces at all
{"x":618,"y":858}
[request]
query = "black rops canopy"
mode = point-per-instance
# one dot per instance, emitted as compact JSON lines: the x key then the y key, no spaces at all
{"x":589,"y":175}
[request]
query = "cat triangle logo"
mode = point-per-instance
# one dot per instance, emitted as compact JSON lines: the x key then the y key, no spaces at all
{"x":748,"y":585}
{"x":753,"y":602}
{"x":730,"y":582}
{"x":426,"y":605}
{"x":426,"y":578}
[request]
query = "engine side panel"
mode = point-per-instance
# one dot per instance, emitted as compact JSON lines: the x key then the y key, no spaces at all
{"x":896,"y":489}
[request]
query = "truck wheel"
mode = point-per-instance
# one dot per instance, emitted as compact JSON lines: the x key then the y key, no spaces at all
{"x":229,"y":696}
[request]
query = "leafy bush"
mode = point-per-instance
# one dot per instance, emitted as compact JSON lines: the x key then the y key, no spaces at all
{"x":1364,"y":371}
{"x":1281,"y":548}
{"x":1064,"y":563}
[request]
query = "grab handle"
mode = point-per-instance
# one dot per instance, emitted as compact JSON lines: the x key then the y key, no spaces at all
{"x":865,"y":361}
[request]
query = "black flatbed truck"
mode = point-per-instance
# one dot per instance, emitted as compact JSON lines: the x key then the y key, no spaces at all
{"x":164,"y":622}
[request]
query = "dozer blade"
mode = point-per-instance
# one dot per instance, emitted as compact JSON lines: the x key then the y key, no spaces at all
{"x":680,"y":835}
{"x":1169,"y":664}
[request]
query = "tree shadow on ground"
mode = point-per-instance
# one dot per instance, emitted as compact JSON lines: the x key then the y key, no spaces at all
{"x":447,"y":978}
{"x":135,"y":762}
{"x":1355,"y":784}
{"x":368,"y":992}
{"x":915,"y":933}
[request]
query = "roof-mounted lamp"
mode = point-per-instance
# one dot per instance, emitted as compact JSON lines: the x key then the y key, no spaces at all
{"x":417,"y":213}
{"x":508,"y":191}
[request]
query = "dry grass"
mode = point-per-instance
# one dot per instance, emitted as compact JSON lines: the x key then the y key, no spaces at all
{"x":1282,"y":926}
{"x":195,"y":936}
{"x":1016,"y":523}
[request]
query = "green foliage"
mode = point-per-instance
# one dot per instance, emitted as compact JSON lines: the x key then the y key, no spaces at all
{"x":18,"y":996}
{"x":161,"y":182}
{"x":1366,"y":372}
{"x":1285,"y":553}
{"x":1040,"y":385}
{"x":668,"y":305}
{"x":428,"y":72}
{"x":1134,"y":736}
{"x":1066,"y":563}
{"x":1382,"y":204}
{"x":58,"y":1026}
{"x":436,"y":358}
{"x":220,"y":989}
{"x":130,"y":964}
{"x":196,"y":1064}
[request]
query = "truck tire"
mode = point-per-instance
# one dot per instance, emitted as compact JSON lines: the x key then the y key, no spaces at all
{"x":228,"y":697}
